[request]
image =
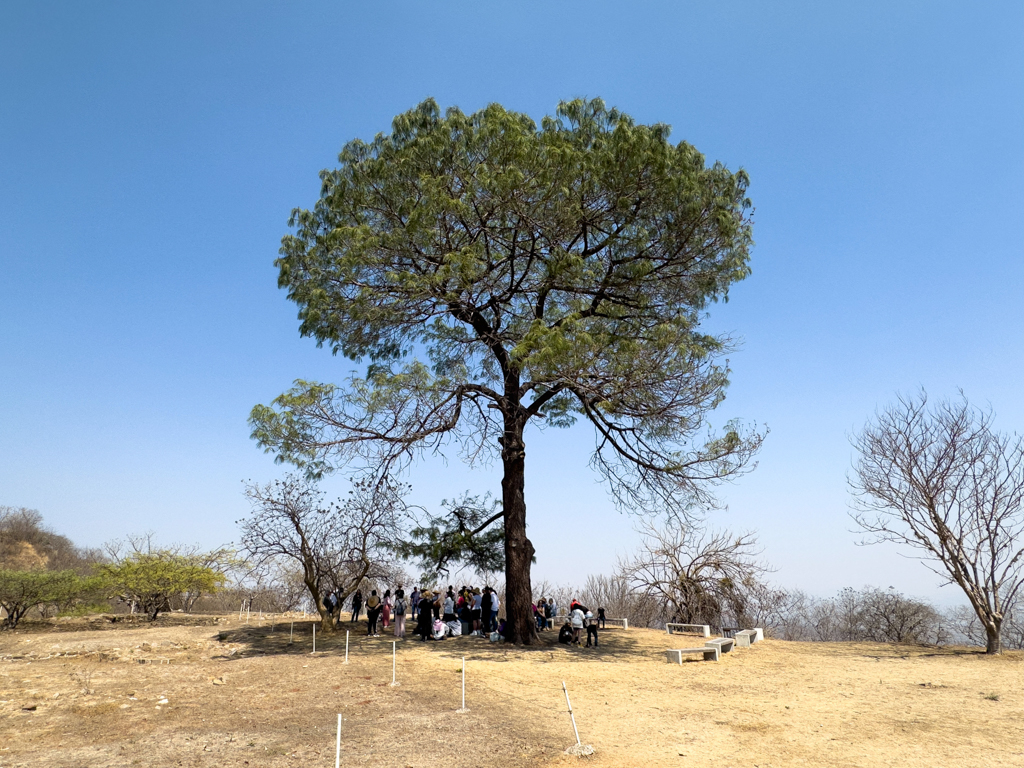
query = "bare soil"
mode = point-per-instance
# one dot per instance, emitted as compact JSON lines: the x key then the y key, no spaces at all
{"x":211,"y":691}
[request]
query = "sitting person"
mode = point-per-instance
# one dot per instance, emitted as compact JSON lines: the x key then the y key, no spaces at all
{"x":440,"y":629}
{"x":565,"y":633}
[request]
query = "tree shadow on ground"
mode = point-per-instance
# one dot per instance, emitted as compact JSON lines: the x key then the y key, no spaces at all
{"x":296,"y":638}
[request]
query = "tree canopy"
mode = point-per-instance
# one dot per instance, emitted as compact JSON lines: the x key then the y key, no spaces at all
{"x":492,"y":273}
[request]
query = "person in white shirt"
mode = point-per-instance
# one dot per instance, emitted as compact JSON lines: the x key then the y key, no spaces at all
{"x":495,"y":604}
{"x":577,"y":618}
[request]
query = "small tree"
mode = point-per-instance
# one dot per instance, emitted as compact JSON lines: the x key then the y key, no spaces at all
{"x":941,"y":481}
{"x":700,"y":576}
{"x":337,"y":546}
{"x":151,"y":580}
{"x":20,"y":591}
{"x":464,"y":535}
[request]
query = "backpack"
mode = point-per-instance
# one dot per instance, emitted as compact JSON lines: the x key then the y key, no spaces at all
{"x":400,"y":606}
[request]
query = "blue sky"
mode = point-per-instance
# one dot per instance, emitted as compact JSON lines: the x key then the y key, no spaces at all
{"x":150,"y":155}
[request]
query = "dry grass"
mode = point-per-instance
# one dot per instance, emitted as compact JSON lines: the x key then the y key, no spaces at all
{"x":245,"y":696}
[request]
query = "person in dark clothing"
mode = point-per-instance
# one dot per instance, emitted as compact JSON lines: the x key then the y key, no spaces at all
{"x":485,"y":608}
{"x":591,"y":629}
{"x":424,"y":615}
{"x":565,"y":634}
{"x":373,"y":607}
{"x":357,"y":605}
{"x":600,"y":617}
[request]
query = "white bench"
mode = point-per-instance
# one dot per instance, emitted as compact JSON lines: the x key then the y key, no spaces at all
{"x":709,"y":652}
{"x":724,"y":643}
{"x":623,"y":622}
{"x":698,"y":629}
{"x":747,"y":637}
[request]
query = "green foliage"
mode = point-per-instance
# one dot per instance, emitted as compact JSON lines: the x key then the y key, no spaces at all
{"x":467,"y":534}
{"x":495,"y":272}
{"x":545,"y":272}
{"x":20,"y":591}
{"x":151,"y":580}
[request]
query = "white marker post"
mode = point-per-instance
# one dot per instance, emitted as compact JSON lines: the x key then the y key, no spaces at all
{"x":291,"y":633}
{"x":337,"y":746}
{"x":463,"y":685}
{"x":571,"y":715}
{"x":314,"y":638}
{"x":346,"y":648}
{"x":394,"y":645}
{"x":247,"y":607}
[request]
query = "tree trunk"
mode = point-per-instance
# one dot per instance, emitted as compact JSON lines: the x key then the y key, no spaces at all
{"x":993,"y":643}
{"x":521,"y":626}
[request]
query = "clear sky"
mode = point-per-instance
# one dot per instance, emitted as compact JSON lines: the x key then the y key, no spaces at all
{"x":150,"y":155}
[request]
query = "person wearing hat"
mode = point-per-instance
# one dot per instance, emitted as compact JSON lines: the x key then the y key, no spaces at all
{"x":424,"y":615}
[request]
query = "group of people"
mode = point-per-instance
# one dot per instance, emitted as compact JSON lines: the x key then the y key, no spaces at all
{"x":580,"y":617}
{"x":469,"y":611}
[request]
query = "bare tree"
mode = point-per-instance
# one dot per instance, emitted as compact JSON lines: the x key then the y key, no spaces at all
{"x":338,"y":545}
{"x":943,"y":482}
{"x":701,"y":576}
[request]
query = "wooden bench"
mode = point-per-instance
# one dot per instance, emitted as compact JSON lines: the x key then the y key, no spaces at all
{"x":723,"y":643}
{"x":709,"y":652}
{"x":699,"y":629}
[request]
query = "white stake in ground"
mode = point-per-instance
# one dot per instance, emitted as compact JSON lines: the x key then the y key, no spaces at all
{"x":346,"y":648}
{"x":463,"y":686}
{"x":577,"y":749}
{"x":337,"y":746}
{"x":394,"y":645}
{"x":314,"y":638}
{"x":291,"y":633}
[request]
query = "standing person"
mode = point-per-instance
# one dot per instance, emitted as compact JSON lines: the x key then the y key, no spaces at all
{"x":538,"y":615}
{"x":448,"y":611}
{"x":415,"y":599}
{"x":600,"y":618}
{"x":423,"y":615}
{"x":357,"y":604}
{"x":591,"y":628}
{"x":577,"y":618}
{"x":400,"y":612}
{"x":485,"y":609}
{"x":477,"y":611}
{"x":466,"y":613}
{"x":386,"y":610}
{"x":495,"y":605}
{"x":372,"y":614}
{"x":549,"y":612}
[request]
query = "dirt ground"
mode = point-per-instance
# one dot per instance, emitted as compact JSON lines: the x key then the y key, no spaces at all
{"x":215,"y":692}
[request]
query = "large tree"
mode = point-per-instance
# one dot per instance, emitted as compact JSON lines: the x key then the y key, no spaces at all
{"x":495,"y":274}
{"x":940,"y":480}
